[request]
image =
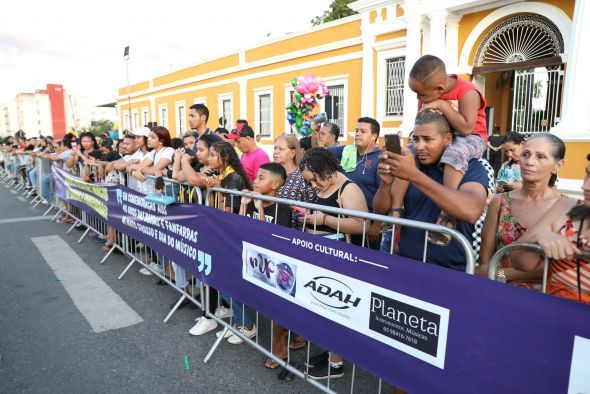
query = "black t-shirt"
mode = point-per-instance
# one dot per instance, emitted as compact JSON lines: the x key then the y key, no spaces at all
{"x":272,"y":214}
{"x":111,"y":156}
{"x":236,"y":182}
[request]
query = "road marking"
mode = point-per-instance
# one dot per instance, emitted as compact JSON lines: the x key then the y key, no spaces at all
{"x":99,"y":304}
{"x":22,"y":198}
{"x":24,"y":219}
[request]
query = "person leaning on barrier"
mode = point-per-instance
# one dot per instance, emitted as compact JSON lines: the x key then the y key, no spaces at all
{"x":81,"y":154}
{"x":287,"y":153}
{"x":322,"y":170}
{"x":159,"y":159}
{"x":510,"y":214}
{"x":126,"y":149}
{"x":269,"y":178}
{"x":427,"y":196}
{"x":359,"y":163}
{"x":226,"y":171}
{"x":564,"y":235}
{"x":189,"y":166}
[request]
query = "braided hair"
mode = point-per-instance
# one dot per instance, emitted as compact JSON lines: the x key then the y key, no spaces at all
{"x":229,"y":157}
{"x":321,"y":162}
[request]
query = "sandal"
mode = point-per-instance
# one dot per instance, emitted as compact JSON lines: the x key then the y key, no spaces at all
{"x":298,"y":344}
{"x":442,"y":239}
{"x":271,"y":363}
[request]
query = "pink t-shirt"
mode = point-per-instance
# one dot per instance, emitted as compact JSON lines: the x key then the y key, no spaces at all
{"x":252,"y":160}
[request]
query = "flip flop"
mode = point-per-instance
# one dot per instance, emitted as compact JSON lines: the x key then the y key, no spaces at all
{"x":298,"y":344}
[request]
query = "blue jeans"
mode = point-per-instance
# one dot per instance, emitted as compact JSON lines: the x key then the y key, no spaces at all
{"x":240,"y":310}
{"x":33,"y":176}
{"x":47,"y":187}
{"x":179,"y":276}
{"x":386,"y":242}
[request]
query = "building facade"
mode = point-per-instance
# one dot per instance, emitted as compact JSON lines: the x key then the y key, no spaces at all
{"x":527,"y":57}
{"x":50,"y":112}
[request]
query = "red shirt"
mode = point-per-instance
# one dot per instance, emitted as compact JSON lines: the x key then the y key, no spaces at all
{"x":461,"y":88}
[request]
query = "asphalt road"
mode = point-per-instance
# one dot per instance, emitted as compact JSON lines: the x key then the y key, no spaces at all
{"x":48,"y":346}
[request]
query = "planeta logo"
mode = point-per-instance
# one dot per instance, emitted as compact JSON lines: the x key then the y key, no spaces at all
{"x":332,"y":292}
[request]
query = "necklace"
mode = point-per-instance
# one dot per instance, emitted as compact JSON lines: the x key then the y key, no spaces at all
{"x":363,"y":160}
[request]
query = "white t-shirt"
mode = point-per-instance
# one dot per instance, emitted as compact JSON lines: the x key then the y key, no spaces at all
{"x":164,"y":153}
{"x":138,"y":155}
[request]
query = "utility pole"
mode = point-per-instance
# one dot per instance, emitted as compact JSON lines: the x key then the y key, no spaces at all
{"x":126,"y":57}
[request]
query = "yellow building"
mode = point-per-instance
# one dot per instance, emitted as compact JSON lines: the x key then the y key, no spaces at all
{"x":528,"y":57}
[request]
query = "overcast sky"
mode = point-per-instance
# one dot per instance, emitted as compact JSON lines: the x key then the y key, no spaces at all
{"x":80,"y":44}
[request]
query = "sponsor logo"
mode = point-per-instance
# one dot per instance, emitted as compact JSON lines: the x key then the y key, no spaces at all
{"x":405,"y":323}
{"x":271,"y":269}
{"x":332,"y":293}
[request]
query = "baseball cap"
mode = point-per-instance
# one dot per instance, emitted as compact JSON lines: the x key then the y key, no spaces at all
{"x":141,"y":132}
{"x":241,"y":130}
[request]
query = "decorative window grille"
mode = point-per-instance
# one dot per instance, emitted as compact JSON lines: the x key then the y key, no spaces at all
{"x":394,"y":92}
{"x":334,"y":106}
{"x":265,"y":108}
{"x":180,"y":119}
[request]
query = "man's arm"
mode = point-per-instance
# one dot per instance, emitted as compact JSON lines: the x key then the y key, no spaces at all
{"x":465,"y":204}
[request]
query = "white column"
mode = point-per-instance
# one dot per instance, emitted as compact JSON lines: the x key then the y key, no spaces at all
{"x":413,"y":52}
{"x":425,"y":26}
{"x":243,"y":99}
{"x":452,"y":43}
{"x":368,"y":79}
{"x":575,"y":112}
{"x":436,"y":40}
{"x":154,"y":115}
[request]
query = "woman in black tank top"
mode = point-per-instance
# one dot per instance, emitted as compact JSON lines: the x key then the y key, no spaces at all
{"x":321,"y":168}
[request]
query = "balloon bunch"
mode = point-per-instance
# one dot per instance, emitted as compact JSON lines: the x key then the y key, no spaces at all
{"x":308,"y":89}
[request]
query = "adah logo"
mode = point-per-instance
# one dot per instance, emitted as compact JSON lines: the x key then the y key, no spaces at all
{"x":332,"y":292}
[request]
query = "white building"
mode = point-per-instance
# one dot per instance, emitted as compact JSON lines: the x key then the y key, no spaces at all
{"x":33,"y":111}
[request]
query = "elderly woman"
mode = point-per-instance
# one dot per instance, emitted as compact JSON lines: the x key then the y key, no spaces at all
{"x":510,"y":214}
{"x":287,"y":153}
{"x":564,"y":234}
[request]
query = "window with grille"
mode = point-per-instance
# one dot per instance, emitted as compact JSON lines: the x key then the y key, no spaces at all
{"x":264,"y":123}
{"x":227,"y":113}
{"x":135,"y":121}
{"x":394,"y":91}
{"x":145,"y":118}
{"x":164,"y":116}
{"x":334,"y":106}
{"x":126,"y":121}
{"x":180,"y":119}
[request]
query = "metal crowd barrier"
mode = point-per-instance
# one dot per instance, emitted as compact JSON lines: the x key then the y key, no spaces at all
{"x":495,"y":259}
{"x":215,"y":198}
{"x":143,"y":255}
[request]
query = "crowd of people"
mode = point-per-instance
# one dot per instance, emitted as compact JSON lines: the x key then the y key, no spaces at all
{"x":439,"y":177}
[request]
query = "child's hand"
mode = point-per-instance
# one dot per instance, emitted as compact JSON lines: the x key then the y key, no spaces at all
{"x":246,"y":199}
{"x":257,"y":202}
{"x":435,"y":105}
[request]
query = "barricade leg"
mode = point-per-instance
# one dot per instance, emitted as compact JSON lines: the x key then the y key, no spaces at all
{"x":76,"y":222}
{"x":175,"y":307}
{"x":127,"y":268}
{"x":84,"y":234}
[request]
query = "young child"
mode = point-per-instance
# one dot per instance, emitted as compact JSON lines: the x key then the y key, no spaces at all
{"x":464,"y":107}
{"x":269,"y":179}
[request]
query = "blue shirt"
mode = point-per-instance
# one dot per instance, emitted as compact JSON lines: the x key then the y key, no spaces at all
{"x":365,"y":173}
{"x":421,"y":208}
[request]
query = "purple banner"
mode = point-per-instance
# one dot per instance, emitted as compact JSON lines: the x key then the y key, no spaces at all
{"x":418,"y":326}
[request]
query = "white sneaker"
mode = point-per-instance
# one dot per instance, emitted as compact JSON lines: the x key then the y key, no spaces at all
{"x":44,"y":202}
{"x":223,"y":312}
{"x":155,"y":267}
{"x":145,"y":271}
{"x":203,"y":326}
{"x":227,"y":334}
{"x":236,"y":340}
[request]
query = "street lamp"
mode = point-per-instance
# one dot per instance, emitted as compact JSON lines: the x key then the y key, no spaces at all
{"x":126,"y":57}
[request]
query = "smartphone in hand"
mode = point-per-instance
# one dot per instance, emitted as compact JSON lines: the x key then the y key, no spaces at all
{"x":393,"y":144}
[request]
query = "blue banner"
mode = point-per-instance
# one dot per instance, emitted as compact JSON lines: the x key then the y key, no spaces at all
{"x":420,"y":327}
